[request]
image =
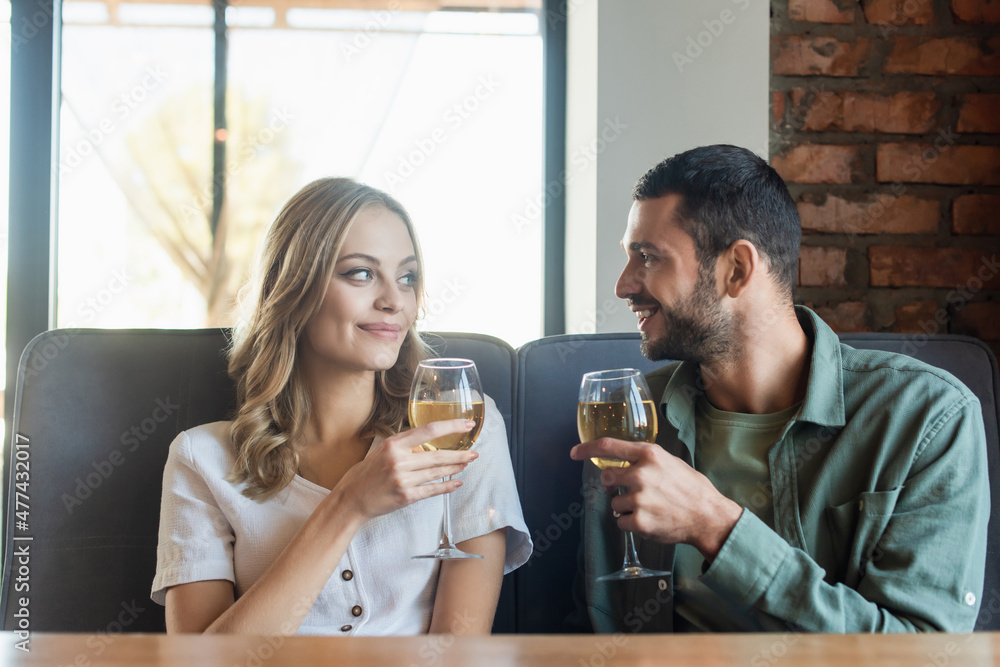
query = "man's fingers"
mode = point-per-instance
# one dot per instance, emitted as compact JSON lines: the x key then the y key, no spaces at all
{"x":626,"y":522}
{"x":607,"y":448}
{"x":623,"y":504}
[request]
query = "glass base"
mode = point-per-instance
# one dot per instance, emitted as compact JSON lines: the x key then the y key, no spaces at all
{"x":447,"y":552}
{"x":637,"y":572}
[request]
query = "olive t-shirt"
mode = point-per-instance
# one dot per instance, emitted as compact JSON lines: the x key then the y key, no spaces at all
{"x":731,"y":450}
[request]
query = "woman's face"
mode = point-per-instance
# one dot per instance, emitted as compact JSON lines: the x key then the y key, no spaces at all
{"x":371,"y":300}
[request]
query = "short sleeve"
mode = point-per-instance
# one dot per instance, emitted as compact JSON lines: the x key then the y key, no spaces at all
{"x":487,"y":499}
{"x":195,"y":537}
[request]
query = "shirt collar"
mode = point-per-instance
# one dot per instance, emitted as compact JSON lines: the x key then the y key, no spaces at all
{"x":823,"y":403}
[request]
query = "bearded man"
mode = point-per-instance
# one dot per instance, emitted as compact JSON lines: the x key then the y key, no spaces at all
{"x":796,"y":483}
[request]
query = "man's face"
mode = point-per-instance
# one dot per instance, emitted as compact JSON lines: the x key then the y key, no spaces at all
{"x":678,"y":303}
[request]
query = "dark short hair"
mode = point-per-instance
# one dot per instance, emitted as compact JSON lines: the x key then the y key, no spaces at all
{"x":727,"y":194}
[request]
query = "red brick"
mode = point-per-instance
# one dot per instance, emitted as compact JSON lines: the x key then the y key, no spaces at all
{"x":921,"y":317}
{"x":970,"y":56}
{"x":778,"y":108}
{"x":878,"y":214}
{"x":818,"y":163}
{"x":805,"y":55}
{"x":979,"y":112}
{"x":845,"y":317}
{"x":976,"y":214}
{"x":821,"y":11}
{"x":981,"y":319}
{"x":899,"y":12}
{"x":976,"y":11}
{"x":924,"y":163}
{"x":817,"y":109}
{"x":822,"y":267}
{"x":902,"y":266}
{"x":905,"y":113}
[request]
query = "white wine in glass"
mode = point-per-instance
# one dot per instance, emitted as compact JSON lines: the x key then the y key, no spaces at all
{"x":612,"y":420}
{"x":447,"y":389}
{"x":616,"y":404}
{"x":425,"y":412}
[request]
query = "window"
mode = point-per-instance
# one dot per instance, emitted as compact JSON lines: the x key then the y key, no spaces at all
{"x":441,"y":108}
{"x":5,"y":47}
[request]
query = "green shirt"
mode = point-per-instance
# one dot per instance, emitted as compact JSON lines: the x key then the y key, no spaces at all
{"x":880,"y":504}
{"x":731,"y":450}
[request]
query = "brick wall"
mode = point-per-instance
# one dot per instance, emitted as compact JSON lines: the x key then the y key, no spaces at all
{"x":886,"y":126}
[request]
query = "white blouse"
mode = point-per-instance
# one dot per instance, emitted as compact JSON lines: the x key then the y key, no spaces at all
{"x":209,"y":530}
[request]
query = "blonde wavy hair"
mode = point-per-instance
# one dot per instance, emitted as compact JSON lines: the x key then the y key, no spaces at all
{"x":290,"y":279}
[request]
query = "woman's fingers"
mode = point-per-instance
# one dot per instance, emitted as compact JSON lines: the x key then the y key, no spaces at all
{"x":398,"y":472}
{"x":419,"y":477}
{"x":424,"y":491}
{"x":438,"y":459}
{"x":421,"y":434}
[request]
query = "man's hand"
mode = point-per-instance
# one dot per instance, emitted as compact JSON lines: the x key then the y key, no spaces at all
{"x":665,"y":499}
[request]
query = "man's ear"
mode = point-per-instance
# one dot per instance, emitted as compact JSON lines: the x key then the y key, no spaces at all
{"x":743,"y":263}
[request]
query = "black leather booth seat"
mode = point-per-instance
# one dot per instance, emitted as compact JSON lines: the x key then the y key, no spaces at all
{"x":95,"y":411}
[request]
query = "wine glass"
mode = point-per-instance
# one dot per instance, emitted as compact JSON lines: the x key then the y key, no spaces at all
{"x":447,"y":389}
{"x":616,"y":404}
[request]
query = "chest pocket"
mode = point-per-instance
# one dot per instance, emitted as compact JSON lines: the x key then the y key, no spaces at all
{"x":855,"y":529}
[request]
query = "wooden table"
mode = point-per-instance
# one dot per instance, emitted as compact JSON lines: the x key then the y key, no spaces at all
{"x":788,"y":650}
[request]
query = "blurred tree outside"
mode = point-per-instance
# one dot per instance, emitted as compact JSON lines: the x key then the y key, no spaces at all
{"x":163,"y":167}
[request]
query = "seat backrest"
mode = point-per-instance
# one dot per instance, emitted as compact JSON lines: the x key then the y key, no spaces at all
{"x":548,"y":384}
{"x":496,"y":362}
{"x":549,"y":373}
{"x":95,"y":412}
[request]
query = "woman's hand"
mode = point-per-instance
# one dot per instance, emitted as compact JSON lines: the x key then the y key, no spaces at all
{"x":396,"y":471}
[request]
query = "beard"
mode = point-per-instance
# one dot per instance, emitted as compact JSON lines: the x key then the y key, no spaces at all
{"x":696,"y":329}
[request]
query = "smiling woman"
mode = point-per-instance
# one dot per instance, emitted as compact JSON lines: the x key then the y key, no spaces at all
{"x":377,"y":267}
{"x":323,"y":363}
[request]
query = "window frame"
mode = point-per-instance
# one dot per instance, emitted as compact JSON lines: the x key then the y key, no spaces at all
{"x":34,"y":146}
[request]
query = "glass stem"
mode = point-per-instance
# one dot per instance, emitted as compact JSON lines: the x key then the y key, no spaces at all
{"x":446,"y":521}
{"x":631,"y":557}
